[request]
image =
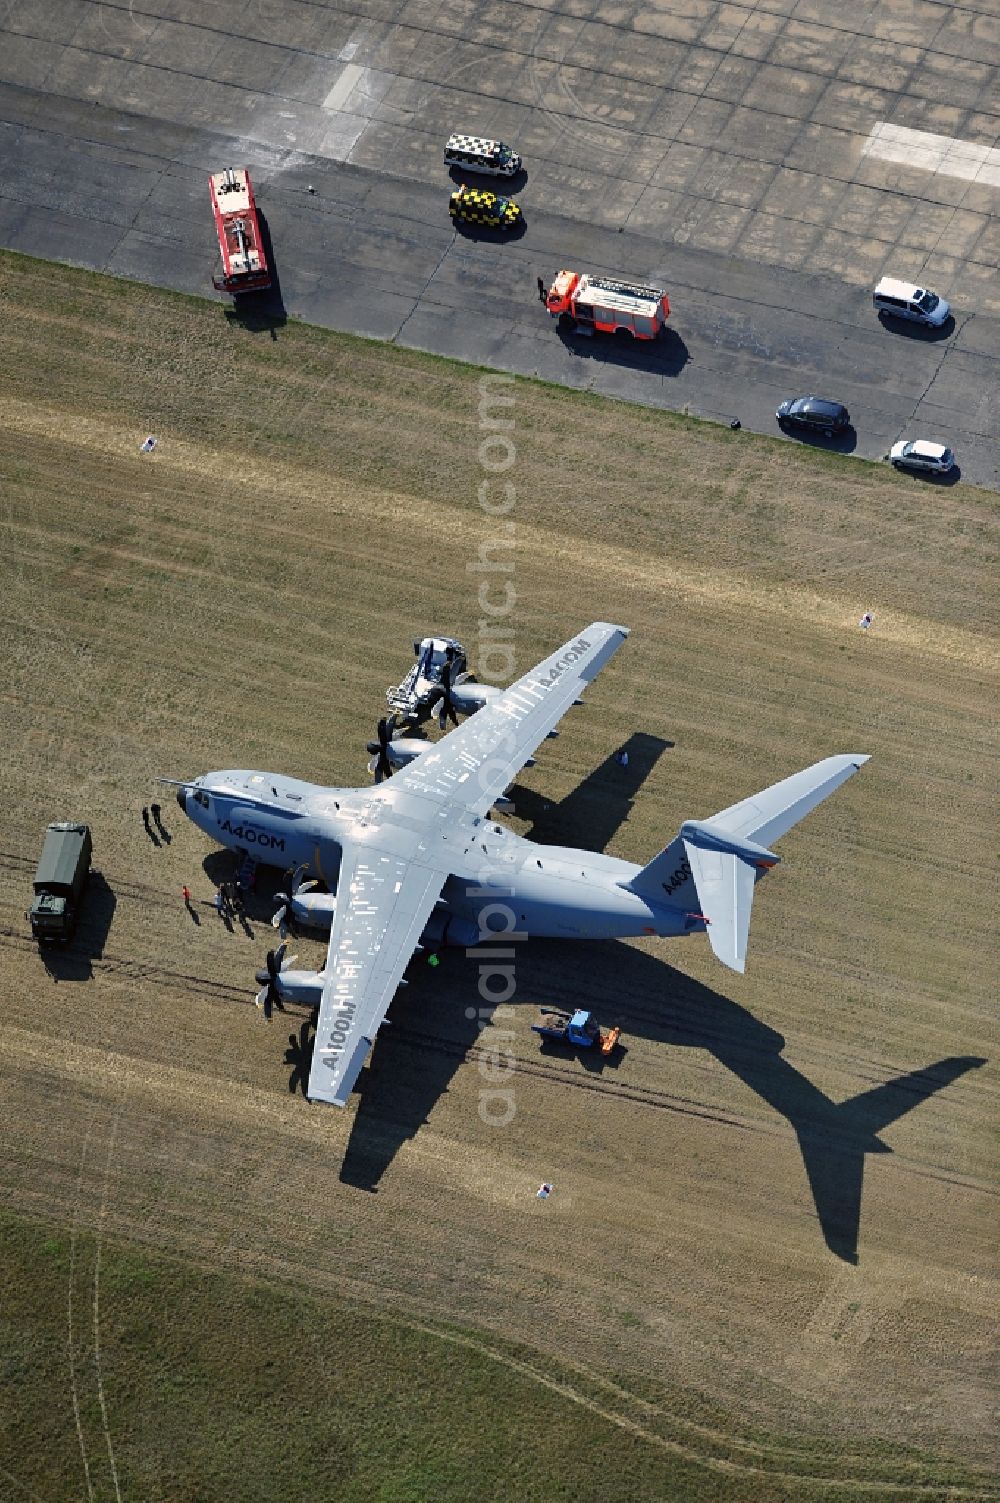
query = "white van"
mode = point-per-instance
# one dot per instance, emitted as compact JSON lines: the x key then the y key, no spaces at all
{"x":477,"y":154}
{"x":905,"y":300}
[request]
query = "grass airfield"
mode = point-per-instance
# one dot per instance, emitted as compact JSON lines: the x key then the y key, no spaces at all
{"x":767,"y":1270}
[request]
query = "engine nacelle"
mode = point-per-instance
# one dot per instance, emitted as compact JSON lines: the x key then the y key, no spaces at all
{"x":468,"y":697}
{"x":314,"y":910}
{"x":305,"y":987}
{"x":406,"y":749}
{"x":444,"y":928}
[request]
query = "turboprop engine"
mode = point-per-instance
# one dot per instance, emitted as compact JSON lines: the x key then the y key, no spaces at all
{"x":406,"y":749}
{"x":388,"y":754}
{"x":315,"y":910}
{"x":445,"y":928}
{"x":300,"y":905}
{"x":280,"y":983}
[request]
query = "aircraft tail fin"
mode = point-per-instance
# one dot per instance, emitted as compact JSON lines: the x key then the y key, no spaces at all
{"x":712,"y":866}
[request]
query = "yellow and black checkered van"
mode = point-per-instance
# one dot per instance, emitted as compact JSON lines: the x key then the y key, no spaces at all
{"x":480,"y":206}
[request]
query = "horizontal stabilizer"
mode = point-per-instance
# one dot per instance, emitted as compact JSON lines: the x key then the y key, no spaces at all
{"x":772,"y":813}
{"x":706,"y":835}
{"x":710,"y":869}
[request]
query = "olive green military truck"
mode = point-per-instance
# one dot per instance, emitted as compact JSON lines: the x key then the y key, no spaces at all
{"x":59,"y":883}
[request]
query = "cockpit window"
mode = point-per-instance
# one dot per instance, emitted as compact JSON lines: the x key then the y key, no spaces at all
{"x":201,"y":798}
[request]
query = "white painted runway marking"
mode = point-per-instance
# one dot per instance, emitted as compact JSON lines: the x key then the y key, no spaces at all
{"x":344,"y":87}
{"x":946,"y":155}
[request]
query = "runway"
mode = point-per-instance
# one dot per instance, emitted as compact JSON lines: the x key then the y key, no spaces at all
{"x":765,"y":173}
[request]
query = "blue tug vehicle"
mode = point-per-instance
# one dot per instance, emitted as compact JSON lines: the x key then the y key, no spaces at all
{"x":579,"y":1029}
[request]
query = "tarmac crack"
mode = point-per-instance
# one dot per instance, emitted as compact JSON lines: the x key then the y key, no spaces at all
{"x":420,"y":295}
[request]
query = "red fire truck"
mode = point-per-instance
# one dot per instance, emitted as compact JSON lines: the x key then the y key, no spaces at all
{"x":599,"y":303}
{"x":244,"y":264}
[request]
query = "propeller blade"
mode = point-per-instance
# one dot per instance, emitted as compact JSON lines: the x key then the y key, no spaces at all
{"x":269,"y":997}
{"x":278,"y":922}
{"x":446,"y":709}
{"x":307,"y":886}
{"x":383,"y":766}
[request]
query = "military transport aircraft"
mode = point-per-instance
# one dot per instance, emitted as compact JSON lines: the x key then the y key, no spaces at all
{"x":417,"y":858}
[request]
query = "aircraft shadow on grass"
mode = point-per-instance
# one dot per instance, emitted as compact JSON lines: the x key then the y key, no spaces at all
{"x":650,"y":999}
{"x":439,"y":1017}
{"x":593,"y":812}
{"x":834,"y":1137}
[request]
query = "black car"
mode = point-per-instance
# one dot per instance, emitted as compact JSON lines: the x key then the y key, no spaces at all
{"x":815,"y":414}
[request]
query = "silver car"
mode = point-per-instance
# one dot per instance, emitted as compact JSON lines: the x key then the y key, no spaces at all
{"x":921,"y":454}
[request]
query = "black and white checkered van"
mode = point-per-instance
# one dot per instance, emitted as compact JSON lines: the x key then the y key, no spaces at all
{"x":477,"y":154}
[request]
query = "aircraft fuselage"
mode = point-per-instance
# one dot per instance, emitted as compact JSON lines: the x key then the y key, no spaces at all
{"x":502,"y":883}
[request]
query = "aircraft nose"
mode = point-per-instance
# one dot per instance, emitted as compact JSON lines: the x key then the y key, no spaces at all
{"x":182,"y":799}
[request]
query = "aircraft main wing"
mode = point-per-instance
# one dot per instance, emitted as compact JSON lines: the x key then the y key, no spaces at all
{"x":391,"y":878}
{"x":383,"y":904}
{"x":473,"y":765}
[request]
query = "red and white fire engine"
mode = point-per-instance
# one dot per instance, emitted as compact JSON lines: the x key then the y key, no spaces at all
{"x":244,"y":264}
{"x":599,"y":303}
